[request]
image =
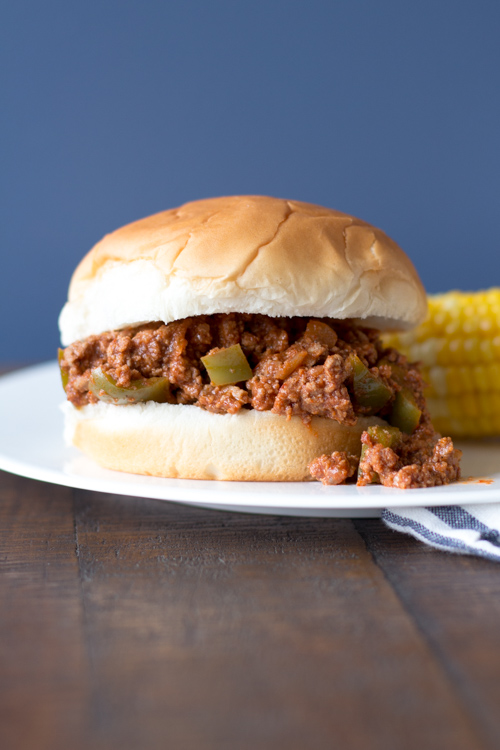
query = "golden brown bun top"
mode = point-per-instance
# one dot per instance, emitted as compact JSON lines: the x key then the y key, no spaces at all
{"x":243,"y":254}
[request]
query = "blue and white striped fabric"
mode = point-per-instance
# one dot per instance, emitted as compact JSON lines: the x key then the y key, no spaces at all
{"x":469,"y":530}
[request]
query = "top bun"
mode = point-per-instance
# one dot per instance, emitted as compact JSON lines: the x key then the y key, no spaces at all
{"x":249,"y":254}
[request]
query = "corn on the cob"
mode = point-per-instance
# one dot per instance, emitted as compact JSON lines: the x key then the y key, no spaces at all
{"x":458,"y":346}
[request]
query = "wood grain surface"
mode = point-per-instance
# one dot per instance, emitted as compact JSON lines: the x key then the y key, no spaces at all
{"x":132,"y":623}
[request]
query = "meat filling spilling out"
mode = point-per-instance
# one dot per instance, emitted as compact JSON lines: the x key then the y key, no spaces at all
{"x":299,"y":367}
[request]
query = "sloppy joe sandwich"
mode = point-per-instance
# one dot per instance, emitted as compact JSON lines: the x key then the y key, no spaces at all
{"x":238,"y":338}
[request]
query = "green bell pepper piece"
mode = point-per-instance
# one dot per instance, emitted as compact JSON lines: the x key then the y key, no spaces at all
{"x":227,"y":366}
{"x":405,"y":413}
{"x":104,"y":387}
{"x":387,"y":436}
{"x":370,"y":390}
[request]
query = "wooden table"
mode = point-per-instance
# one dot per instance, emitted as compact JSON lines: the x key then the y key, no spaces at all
{"x":139,"y":624}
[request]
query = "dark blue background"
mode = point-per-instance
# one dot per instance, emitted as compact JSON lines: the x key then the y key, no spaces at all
{"x":113,"y":110}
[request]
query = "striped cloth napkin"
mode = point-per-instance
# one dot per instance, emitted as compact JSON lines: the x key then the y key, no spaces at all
{"x":467,"y":530}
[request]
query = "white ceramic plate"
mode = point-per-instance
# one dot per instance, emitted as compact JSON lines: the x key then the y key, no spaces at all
{"x":31,"y":445}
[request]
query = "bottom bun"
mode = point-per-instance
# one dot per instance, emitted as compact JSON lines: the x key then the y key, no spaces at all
{"x":170,"y":440}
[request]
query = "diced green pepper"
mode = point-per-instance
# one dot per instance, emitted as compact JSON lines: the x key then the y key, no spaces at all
{"x":405,"y":413}
{"x":104,"y":387}
{"x":370,"y":390}
{"x":387,"y":436}
{"x":64,"y":373}
{"x":227,"y":366}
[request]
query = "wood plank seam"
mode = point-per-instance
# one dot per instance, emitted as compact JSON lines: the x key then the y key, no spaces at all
{"x":459,"y":687}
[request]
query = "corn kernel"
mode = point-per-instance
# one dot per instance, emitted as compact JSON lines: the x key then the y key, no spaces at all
{"x":459,"y":348}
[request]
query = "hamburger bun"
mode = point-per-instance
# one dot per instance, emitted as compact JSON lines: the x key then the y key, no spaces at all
{"x":178,"y":440}
{"x":249,"y":254}
{"x":246,"y":254}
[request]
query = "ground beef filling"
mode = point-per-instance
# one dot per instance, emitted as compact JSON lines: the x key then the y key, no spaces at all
{"x":334,"y":469}
{"x":299,"y":368}
{"x":422,"y":460}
